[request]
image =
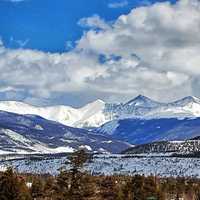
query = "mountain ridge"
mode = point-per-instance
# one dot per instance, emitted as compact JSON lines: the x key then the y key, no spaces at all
{"x":34,"y":134}
{"x":99,"y":112}
{"x":166,"y":147}
{"x":141,"y":131}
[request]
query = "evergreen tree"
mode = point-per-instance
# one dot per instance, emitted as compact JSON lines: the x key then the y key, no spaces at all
{"x":9,"y":186}
{"x":77,"y":160}
{"x":37,"y":188}
{"x":197,"y":195}
{"x":108,"y":189}
{"x":150,"y":188}
{"x":61,"y":189}
{"x":74,"y":184}
{"x":125,"y":190}
{"x":48,"y":187}
{"x":138,"y":188}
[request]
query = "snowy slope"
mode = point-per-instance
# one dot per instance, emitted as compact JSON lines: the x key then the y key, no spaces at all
{"x":98,"y":112}
{"x":90,"y":115}
{"x":145,"y":108}
{"x":14,"y":142}
{"x":33,"y":134}
{"x":62,"y":114}
{"x":141,"y":131}
{"x":186,"y":107}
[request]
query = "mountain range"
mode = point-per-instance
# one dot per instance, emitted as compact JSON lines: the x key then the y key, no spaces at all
{"x":97,"y":126}
{"x":98,"y":112}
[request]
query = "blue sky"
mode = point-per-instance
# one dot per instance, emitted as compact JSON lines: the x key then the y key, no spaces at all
{"x":47,"y":25}
{"x":74,"y":52}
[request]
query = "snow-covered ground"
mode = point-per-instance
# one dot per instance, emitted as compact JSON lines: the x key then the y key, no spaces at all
{"x":116,"y":164}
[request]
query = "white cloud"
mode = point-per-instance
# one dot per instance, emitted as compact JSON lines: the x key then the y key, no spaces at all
{"x":118,"y":4}
{"x":93,"y":22}
{"x":165,"y":38}
{"x":154,"y":50}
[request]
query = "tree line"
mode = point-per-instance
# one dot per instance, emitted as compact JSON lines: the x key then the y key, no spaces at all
{"x":75,"y":184}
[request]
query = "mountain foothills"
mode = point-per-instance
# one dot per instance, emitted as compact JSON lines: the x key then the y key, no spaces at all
{"x":22,"y":134}
{"x":98,"y":126}
{"x":141,"y":131}
{"x":188,"y":147}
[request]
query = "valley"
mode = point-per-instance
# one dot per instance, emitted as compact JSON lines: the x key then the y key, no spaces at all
{"x":161,"y":165}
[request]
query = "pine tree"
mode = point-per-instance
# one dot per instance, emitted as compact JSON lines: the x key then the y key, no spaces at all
{"x":197,"y":195}
{"x":138,"y":188}
{"x":150,"y":188}
{"x":77,"y":160}
{"x":74,"y":184}
{"x":108,"y":188}
{"x":61,"y":189}
{"x":125,"y":190}
{"x":48,"y":187}
{"x":37,"y":188}
{"x":9,"y":186}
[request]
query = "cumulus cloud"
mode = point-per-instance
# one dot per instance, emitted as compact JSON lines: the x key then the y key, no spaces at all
{"x":153,"y":50}
{"x":165,"y":38}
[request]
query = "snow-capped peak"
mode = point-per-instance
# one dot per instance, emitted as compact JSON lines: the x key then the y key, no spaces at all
{"x":142,"y":101}
{"x":98,"y":112}
{"x":98,"y":104}
{"x":63,"y":114}
{"x":186,"y":100}
{"x":92,"y":115}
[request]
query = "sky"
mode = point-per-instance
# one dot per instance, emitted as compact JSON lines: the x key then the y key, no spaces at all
{"x":74,"y":52}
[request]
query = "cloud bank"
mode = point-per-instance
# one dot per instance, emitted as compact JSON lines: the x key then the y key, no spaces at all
{"x":154,"y":50}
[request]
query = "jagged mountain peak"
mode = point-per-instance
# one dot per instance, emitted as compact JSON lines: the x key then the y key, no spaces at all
{"x":186,"y":100}
{"x":98,"y":112}
{"x":142,"y":101}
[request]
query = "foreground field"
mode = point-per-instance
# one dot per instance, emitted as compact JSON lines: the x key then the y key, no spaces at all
{"x":74,"y":183}
{"x":157,"y":165}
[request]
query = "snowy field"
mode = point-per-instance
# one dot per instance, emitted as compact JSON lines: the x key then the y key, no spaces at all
{"x":115,"y":164}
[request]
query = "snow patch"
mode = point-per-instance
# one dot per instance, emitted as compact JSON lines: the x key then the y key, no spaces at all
{"x":38,"y":127}
{"x":87,"y":147}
